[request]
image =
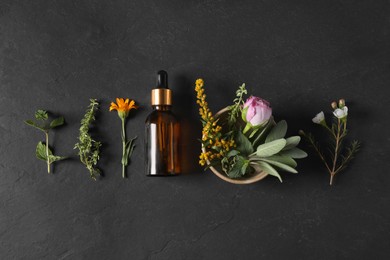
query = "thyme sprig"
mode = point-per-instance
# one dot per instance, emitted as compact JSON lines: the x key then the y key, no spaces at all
{"x":235,"y":109}
{"x":89,"y":149}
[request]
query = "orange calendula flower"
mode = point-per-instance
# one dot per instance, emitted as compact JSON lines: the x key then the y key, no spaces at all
{"x":123,"y":107}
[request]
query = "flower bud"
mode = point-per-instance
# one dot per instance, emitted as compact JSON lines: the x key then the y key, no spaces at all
{"x":341,"y":112}
{"x":319,"y":119}
{"x":256,"y":112}
{"x":341,"y":103}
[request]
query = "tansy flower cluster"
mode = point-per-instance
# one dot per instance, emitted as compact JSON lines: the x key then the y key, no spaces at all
{"x":215,"y":145}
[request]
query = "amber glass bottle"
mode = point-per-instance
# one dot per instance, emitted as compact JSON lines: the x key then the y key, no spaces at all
{"x":162,"y":132}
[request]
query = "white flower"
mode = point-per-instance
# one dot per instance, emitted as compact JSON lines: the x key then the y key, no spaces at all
{"x":319,"y":118}
{"x":341,"y":112}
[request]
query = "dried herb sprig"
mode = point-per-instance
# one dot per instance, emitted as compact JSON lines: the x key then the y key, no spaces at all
{"x":43,"y":152}
{"x":89,"y":149}
{"x":336,"y":161}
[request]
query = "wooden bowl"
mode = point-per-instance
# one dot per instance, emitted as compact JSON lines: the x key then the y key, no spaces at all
{"x":258,"y":175}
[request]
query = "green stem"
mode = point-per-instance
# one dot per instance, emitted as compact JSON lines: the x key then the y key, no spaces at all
{"x":336,"y":151}
{"x":123,"y":148}
{"x":247,"y":127}
{"x":47,"y":151}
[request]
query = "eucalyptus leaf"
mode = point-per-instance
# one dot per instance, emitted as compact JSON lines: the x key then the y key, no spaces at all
{"x":57,"y":122}
{"x":244,"y":146}
{"x":280,"y":165}
{"x":269,"y":169}
{"x":294,"y":153}
{"x":271,"y":148}
{"x":277,"y":132}
{"x":291,"y":142}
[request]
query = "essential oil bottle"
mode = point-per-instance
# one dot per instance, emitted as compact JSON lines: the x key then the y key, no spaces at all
{"x":162,"y":132}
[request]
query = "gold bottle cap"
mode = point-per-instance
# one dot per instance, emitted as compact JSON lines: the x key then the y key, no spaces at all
{"x":161,"y":97}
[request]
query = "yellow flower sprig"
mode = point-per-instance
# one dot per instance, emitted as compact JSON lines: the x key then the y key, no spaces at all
{"x":215,"y":144}
{"x":123,"y":108}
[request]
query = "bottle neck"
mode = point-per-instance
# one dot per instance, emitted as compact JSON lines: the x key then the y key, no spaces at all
{"x":162,"y":107}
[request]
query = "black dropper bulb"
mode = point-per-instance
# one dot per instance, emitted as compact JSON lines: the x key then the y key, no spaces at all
{"x":162,"y":79}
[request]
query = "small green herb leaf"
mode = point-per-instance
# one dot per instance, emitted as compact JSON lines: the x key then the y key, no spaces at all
{"x":277,"y":132}
{"x":295,"y":153}
{"x":236,"y":170}
{"x":291,"y":142}
{"x":57,"y":122}
{"x":232,"y":153}
{"x":40,"y":151}
{"x":54,"y":158}
{"x":280,"y":165}
{"x":129,"y":148}
{"x":269,"y":169}
{"x":35,"y":125}
{"x":270,"y":148}
{"x":41,"y":114}
{"x":243,"y":144}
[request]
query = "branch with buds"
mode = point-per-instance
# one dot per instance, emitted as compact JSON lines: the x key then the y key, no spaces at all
{"x":339,"y":156}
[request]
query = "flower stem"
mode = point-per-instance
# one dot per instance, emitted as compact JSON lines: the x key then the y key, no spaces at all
{"x":47,"y":151}
{"x":123,"y":148}
{"x":336,"y":151}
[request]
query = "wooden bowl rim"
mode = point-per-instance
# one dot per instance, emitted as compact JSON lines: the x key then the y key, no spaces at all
{"x":259,"y":175}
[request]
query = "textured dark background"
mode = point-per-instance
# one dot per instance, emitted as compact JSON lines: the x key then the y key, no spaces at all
{"x":300,"y":55}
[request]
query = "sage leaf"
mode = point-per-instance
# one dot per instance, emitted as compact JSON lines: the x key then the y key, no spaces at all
{"x":244,"y":146}
{"x":277,"y":132}
{"x":283,"y":159}
{"x":57,"y":122}
{"x":232,"y":153}
{"x":281,"y":165}
{"x":291,"y":142}
{"x":294,"y":153}
{"x":271,"y":148}
{"x":269,"y":169}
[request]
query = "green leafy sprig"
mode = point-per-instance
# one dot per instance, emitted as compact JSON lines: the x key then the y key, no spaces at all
{"x":339,"y":156}
{"x":89,"y":149}
{"x":275,"y":153}
{"x":43,"y":152}
{"x":235,"y":109}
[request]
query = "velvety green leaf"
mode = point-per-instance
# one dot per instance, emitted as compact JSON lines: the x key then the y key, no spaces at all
{"x":57,"y":122}
{"x":244,"y":146}
{"x":294,"y":153}
{"x":291,"y":142}
{"x":41,"y":114}
{"x":283,"y":159}
{"x":269,"y":169}
{"x":271,"y":148}
{"x":277,"y":132}
{"x":40,"y":151}
{"x":280,"y":165}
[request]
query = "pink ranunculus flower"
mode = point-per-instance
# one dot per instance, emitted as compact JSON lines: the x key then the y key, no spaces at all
{"x":256,"y":111}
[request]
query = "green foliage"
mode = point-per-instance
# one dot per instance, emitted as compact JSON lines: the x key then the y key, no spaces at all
{"x":43,"y":151}
{"x":274,"y":153}
{"x":41,"y":154}
{"x":88,"y":148}
{"x":339,"y":155}
{"x":235,"y":109}
{"x":129,"y":148}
